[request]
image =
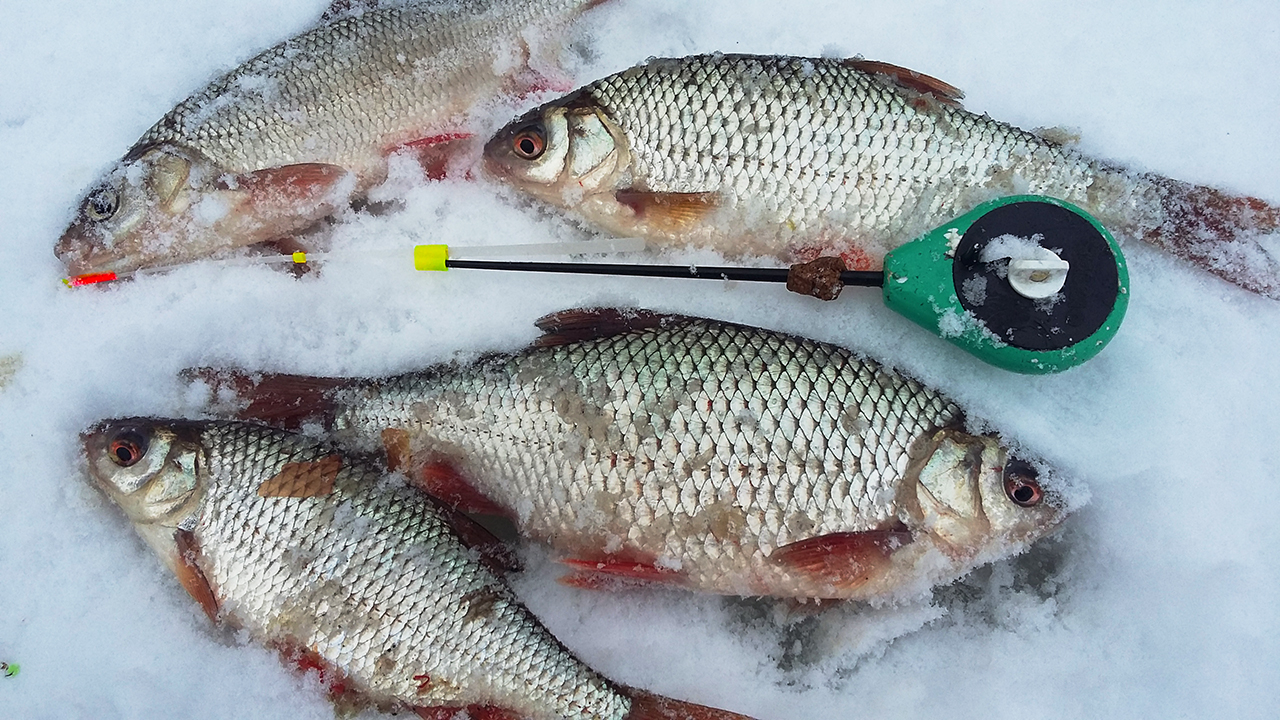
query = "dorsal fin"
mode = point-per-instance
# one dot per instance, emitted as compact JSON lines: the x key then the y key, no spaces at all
{"x":580,"y":324}
{"x":911,"y":80}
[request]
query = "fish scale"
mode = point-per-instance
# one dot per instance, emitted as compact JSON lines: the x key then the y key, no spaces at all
{"x":804,"y":148}
{"x":307,"y":127}
{"x":337,"y":92}
{"x":772,"y":410}
{"x":369,"y":576}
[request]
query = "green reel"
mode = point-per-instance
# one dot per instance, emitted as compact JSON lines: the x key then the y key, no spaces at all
{"x":1027,"y":283}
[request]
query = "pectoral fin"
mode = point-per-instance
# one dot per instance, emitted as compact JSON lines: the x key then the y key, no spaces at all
{"x":611,"y":572}
{"x":190,"y":574}
{"x":443,"y":481}
{"x":290,"y":183}
{"x":668,"y":211}
{"x":843,"y":560}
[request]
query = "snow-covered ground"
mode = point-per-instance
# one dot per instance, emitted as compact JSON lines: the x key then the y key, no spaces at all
{"x":1160,"y":598}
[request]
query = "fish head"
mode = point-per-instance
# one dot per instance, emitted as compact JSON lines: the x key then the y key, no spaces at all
{"x":974,"y":498}
{"x":151,"y":469}
{"x":118,"y":226}
{"x":165,"y":205}
{"x":562,"y":152}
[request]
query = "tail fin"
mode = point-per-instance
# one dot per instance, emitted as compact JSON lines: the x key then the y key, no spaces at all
{"x":1221,"y":233}
{"x":647,"y":706}
{"x":284,"y":401}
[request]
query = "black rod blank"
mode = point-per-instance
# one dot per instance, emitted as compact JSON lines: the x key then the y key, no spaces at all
{"x":862,"y":278}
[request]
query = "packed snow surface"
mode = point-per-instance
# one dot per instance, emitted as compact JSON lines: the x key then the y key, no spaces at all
{"x":1160,"y":598}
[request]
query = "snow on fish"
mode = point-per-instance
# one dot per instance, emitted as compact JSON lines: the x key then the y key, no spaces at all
{"x":349,"y":571}
{"x":711,"y":456}
{"x":794,"y":157}
{"x":307,"y":126}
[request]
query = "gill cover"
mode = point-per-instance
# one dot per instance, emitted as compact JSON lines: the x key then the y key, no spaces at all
{"x":151,"y":472}
{"x":971,"y":494}
{"x":113,"y":219}
{"x":559,"y":151}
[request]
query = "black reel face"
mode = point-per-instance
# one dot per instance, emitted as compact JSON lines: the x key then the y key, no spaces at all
{"x":1060,"y":321}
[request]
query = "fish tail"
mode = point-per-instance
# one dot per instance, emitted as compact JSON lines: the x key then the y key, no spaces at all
{"x":647,"y":706}
{"x":1226,"y":234}
{"x":284,"y":401}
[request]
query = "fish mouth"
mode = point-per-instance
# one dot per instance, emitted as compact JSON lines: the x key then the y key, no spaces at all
{"x":82,"y":252}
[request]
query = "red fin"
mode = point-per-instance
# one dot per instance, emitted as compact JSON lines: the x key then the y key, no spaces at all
{"x":303,"y":479}
{"x":673,"y":212}
{"x":441,"y":480}
{"x":580,"y":324}
{"x":289,"y":190}
{"x":190,"y":574}
{"x":495,"y":554}
{"x":611,"y":572}
{"x":436,"y":152}
{"x":285,"y":401}
{"x":842,"y":559}
{"x":332,"y":679}
{"x":472,"y":712}
{"x":1213,"y":229}
{"x":399,"y":455}
{"x":647,"y":706}
{"x":292,"y":181}
{"x":911,"y":80}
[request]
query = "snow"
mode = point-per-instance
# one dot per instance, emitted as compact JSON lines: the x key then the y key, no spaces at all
{"x":1160,"y":598}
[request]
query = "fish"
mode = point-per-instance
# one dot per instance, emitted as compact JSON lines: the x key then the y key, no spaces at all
{"x":689,"y":452}
{"x":347,"y":570}
{"x":792,"y":158}
{"x":306,"y":127}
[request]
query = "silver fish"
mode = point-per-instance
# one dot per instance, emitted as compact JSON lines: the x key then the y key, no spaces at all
{"x":793,"y":157}
{"x":713,"y":456}
{"x":348,"y":570}
{"x":307,"y":126}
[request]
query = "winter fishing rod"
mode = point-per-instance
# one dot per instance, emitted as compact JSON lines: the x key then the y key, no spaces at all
{"x":1027,"y":283}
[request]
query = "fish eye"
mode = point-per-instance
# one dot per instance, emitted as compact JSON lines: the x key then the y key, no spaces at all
{"x":529,"y":143}
{"x":127,"y":448}
{"x":102,"y":204}
{"x":1020,"y":484}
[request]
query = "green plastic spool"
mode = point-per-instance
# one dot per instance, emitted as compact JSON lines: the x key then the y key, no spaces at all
{"x":943,"y":282}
